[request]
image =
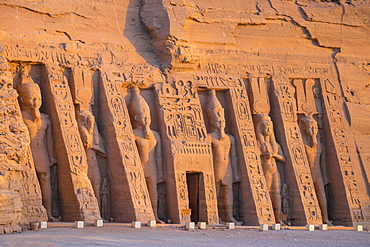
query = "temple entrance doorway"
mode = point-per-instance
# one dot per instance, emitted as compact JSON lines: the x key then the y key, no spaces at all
{"x":192,"y":180}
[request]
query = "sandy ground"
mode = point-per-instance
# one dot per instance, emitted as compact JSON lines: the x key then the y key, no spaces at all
{"x":113,"y":235}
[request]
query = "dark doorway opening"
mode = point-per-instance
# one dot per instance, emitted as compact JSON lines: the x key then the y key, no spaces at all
{"x":192,"y":180}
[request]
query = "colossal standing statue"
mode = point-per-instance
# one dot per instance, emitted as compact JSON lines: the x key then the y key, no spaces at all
{"x":39,"y":127}
{"x":91,"y":141}
{"x":314,"y":151}
{"x":270,"y":152}
{"x":81,"y":85}
{"x":224,"y":154}
{"x":149,"y":146}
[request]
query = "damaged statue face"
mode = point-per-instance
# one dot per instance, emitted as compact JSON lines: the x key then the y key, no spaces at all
{"x":30,"y":95}
{"x":143,"y":120}
{"x":267,"y":127}
{"x":310,"y":126}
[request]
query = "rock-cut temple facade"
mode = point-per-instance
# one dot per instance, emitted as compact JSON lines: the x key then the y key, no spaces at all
{"x":252,"y":112}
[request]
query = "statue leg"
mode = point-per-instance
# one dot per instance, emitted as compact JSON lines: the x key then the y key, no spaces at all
{"x":93,"y":172}
{"x":45,"y":184}
{"x":321,"y":196}
{"x":276,"y":197}
{"x":220,"y":198}
{"x":151,"y":183}
{"x":229,"y":202}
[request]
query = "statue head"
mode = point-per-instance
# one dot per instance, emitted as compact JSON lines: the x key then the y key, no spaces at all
{"x":29,"y":94}
{"x":309,"y":126}
{"x":265,"y":125}
{"x":215,"y":112}
{"x":139,"y":109}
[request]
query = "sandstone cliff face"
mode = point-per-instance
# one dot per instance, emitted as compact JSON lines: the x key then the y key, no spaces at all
{"x":282,"y":59}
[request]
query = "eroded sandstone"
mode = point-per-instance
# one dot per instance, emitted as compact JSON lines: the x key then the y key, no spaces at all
{"x":248,"y":111}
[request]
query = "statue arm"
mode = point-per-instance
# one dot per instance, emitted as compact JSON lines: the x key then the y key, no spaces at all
{"x":263,"y":150}
{"x":85,"y":126}
{"x":97,"y":145}
{"x":158,"y":156}
{"x":234,"y":160}
{"x":279,"y":156}
{"x":89,"y":122}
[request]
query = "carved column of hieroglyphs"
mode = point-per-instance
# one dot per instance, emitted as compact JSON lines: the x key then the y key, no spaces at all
{"x":77,"y":197}
{"x":304,"y":204}
{"x":259,"y":210}
{"x":16,"y":145}
{"x":348,"y":187}
{"x":129,"y":193}
{"x":184,"y":136}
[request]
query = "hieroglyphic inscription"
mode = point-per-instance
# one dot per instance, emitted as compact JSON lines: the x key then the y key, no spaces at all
{"x":192,"y":148}
{"x":184,"y":128}
{"x":210,"y":192}
{"x":134,"y":76}
{"x":129,"y":163}
{"x":214,"y":81}
{"x":58,"y":56}
{"x":345,"y":159}
{"x":181,"y":110}
{"x":280,"y":70}
{"x":182,"y":191}
{"x":262,"y":69}
{"x":252,"y":165}
{"x":72,"y":159}
{"x":295,"y":152}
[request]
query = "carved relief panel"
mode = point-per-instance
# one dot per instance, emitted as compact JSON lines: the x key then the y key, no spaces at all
{"x":269,"y":150}
{"x":253,"y":177}
{"x":129,"y":193}
{"x":239,"y":123}
{"x":304,"y":203}
{"x":184,"y":134}
{"x":82,"y":90}
{"x":310,"y":123}
{"x":76,"y":193}
{"x":149,"y":145}
{"x":347,"y":183}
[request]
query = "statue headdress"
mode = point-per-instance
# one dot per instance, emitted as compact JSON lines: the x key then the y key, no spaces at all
{"x":138,"y":105}
{"x":212,"y":104}
{"x":28,"y":85}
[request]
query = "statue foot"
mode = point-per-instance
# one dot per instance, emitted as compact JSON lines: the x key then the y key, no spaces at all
{"x":328,"y":222}
{"x":158,"y":221}
{"x":238,"y":223}
{"x":281,"y":223}
{"x":52,"y":219}
{"x":232,"y":219}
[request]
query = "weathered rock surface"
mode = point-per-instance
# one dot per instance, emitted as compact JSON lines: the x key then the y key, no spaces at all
{"x":284,"y":61}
